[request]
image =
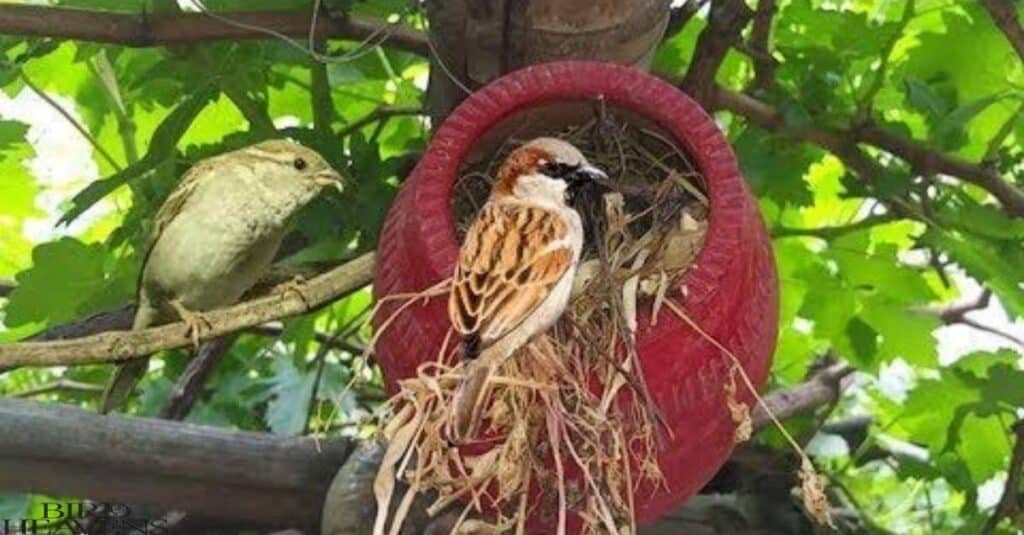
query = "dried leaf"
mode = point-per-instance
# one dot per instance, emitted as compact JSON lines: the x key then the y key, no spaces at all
{"x":812,"y":492}
{"x":738,"y":411}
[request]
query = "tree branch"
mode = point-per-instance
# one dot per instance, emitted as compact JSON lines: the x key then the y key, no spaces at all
{"x":379,"y":114}
{"x":760,"y":42}
{"x":725,"y":22}
{"x":270,"y":480}
{"x":143,"y":30}
{"x":60,"y":385}
{"x":957,"y":314}
{"x":830,"y":233}
{"x":1004,"y":14}
{"x":843,"y":143}
{"x":123,"y":345}
{"x":1009,"y":504}
{"x":821,"y":389}
{"x":189,"y":387}
{"x":249,"y":478}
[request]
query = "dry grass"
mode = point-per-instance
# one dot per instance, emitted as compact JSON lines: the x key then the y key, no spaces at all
{"x":569,"y":413}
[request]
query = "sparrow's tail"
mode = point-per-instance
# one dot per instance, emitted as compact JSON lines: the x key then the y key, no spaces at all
{"x":129,"y":373}
{"x":470,"y":399}
{"x":122,"y":384}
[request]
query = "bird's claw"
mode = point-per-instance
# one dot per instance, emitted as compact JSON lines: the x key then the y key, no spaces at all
{"x":297,"y":286}
{"x":196,"y":322}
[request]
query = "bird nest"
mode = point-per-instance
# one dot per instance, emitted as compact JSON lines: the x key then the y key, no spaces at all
{"x":569,"y":431}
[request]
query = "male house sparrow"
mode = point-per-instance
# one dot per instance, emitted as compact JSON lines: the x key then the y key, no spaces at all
{"x":216,"y":234}
{"x":516,"y":266}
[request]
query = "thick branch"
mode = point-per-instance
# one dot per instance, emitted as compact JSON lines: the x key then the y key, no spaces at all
{"x":245,"y":477}
{"x":141,"y":30}
{"x":122,"y":345}
{"x":239,"y":477}
{"x":843,"y":143}
{"x":760,"y":41}
{"x":1004,"y":14}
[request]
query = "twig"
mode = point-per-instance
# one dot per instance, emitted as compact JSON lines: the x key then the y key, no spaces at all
{"x":70,"y":119}
{"x":123,"y":345}
{"x":833,"y":232}
{"x":990,"y":329}
{"x":867,"y":101}
{"x":133,"y":30}
{"x":1009,"y":504}
{"x":957,"y":314}
{"x":379,"y":114}
{"x":1004,"y":14}
{"x":60,"y":385}
{"x":255,"y":112}
{"x":320,"y":360}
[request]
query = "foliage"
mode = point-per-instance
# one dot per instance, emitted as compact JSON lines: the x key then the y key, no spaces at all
{"x":862,"y":293}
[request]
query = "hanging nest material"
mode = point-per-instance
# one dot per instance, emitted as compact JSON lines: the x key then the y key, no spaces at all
{"x":570,"y":431}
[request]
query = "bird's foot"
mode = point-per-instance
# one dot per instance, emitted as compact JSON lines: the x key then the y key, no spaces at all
{"x":296,"y":286}
{"x":197,"y":323}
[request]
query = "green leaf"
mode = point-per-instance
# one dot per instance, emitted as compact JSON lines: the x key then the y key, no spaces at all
{"x":293,"y":389}
{"x":985,"y":263}
{"x":161,"y":147}
{"x":48,"y":294}
{"x":14,"y":506}
{"x":951,"y":125}
{"x":775,"y":167}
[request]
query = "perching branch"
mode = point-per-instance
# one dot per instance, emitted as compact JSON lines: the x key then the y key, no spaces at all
{"x":144,"y":30}
{"x":844,"y":143}
{"x":123,"y":345}
{"x":1004,"y":14}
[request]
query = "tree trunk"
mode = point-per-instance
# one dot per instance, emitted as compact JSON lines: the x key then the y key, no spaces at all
{"x":476,"y":41}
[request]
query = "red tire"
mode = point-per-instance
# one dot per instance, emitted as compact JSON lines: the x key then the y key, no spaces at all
{"x":731,"y":291}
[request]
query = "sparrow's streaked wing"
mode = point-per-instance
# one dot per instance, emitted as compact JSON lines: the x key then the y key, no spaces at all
{"x":511,"y":259}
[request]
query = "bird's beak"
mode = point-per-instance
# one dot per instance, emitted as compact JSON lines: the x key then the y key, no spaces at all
{"x":330,"y":179}
{"x":593,"y":173}
{"x":590,"y":173}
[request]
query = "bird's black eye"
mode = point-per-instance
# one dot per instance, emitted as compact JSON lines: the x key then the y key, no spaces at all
{"x":299,"y":164}
{"x":558,"y":169}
